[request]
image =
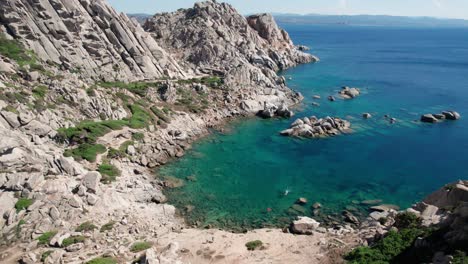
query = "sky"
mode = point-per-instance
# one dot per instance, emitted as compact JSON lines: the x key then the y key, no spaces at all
{"x":432,"y":8}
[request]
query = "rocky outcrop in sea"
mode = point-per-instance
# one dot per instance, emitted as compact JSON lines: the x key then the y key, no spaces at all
{"x":313,"y":127}
{"x":445,"y":115}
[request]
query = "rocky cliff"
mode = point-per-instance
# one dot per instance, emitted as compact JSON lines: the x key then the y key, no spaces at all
{"x":213,"y":38}
{"x":87,"y":36}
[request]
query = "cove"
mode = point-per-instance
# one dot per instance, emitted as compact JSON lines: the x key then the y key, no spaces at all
{"x":237,"y":180}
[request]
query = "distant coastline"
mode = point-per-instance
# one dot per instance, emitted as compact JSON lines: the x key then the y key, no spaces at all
{"x":370,"y":20}
{"x":356,"y":20}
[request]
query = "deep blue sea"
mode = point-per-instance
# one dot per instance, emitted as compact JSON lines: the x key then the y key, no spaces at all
{"x":241,"y":175}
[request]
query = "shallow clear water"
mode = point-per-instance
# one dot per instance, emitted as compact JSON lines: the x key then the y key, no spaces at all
{"x":402,"y":73}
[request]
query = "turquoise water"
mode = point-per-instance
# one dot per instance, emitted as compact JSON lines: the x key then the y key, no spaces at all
{"x":402,"y":73}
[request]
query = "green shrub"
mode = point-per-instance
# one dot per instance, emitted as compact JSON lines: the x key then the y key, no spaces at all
{"x":113,"y":153}
{"x":85,"y":151}
{"x":91,"y":92}
{"x":23,"y":203}
{"x":125,"y":145}
{"x":86,"y":227}
{"x":160,"y":114}
{"x":109,"y":173}
{"x":460,"y":257}
{"x":407,"y":220}
{"x":140,"y":246}
{"x":138,"y":88}
{"x":140,"y":118}
{"x":73,"y":240}
{"x":253,"y":245}
{"x":40,"y":91}
{"x":45,"y":238}
{"x":45,"y":255}
{"x":102,"y":260}
{"x":392,"y":245}
{"x":11,"y":109}
{"x":107,"y":227}
{"x":14,"y":50}
{"x":138,"y":136}
{"x":212,"y":81}
{"x":19,"y":227}
{"x":90,"y":131}
{"x":13,"y":98}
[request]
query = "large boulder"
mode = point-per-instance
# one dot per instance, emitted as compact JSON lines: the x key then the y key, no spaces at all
{"x":304,"y":226}
{"x":449,"y":196}
{"x":349,"y":93}
{"x":91,"y":181}
{"x":451,"y":115}
{"x":429,"y":118}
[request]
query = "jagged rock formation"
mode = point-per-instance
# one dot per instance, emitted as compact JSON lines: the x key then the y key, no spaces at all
{"x":87,"y":36}
{"x":213,"y":38}
{"x":314,"y":127}
{"x":349,"y":93}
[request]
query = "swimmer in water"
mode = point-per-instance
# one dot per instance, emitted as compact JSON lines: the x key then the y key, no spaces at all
{"x":287,"y":191}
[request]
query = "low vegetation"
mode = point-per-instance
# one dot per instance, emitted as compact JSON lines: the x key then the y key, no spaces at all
{"x":138,"y":88}
{"x":45,"y":238}
{"x":140,"y":246}
{"x":395,"y":244}
{"x":212,"y":81}
{"x":19,"y":227}
{"x":45,"y":255}
{"x":107,"y":227}
{"x":113,"y":153}
{"x":253,"y":245}
{"x":86,"y":227}
{"x":14,"y":50}
{"x":138,"y":136}
{"x":407,"y":220}
{"x":384,"y":251}
{"x":140,"y":118}
{"x":11,"y":109}
{"x":109,"y":173}
{"x":102,"y":260}
{"x":460,"y":257}
{"x":125,"y":145}
{"x":161,"y":114}
{"x":192,"y":101}
{"x":40,"y":91}
{"x":89,"y":131}
{"x":14,"y":97}
{"x":23,"y":204}
{"x":73,"y":240}
{"x":85,"y":151}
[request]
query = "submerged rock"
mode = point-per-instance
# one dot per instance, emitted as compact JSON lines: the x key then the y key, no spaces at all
{"x":301,"y":201}
{"x":350,"y":218}
{"x":366,"y":116}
